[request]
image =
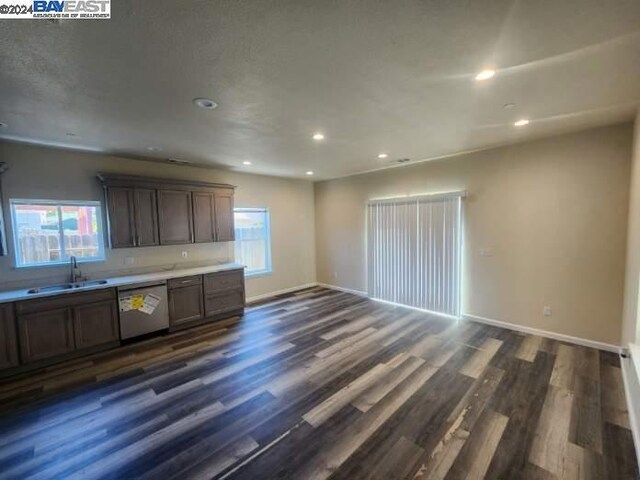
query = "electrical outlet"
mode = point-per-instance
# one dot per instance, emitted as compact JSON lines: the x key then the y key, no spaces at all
{"x":335,"y":275}
{"x":546,"y":311}
{"x":185,"y":254}
{"x":128,"y":261}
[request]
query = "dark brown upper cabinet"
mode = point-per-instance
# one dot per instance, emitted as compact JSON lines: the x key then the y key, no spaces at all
{"x":146,"y":217}
{"x":175,"y":216}
{"x":225,"y":231}
{"x":146,"y":211}
{"x":204,"y":217}
{"x":133,"y":217}
{"x":121,"y":220}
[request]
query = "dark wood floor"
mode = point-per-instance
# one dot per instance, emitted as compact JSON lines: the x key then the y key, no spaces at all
{"x":324,"y":384}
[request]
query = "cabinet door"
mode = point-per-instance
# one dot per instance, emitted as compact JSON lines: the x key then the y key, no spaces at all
{"x":175,"y":217}
{"x":95,"y":324}
{"x":224,"y":216}
{"x":45,"y":335}
{"x":146,"y":217}
{"x":204,"y":217}
{"x":121,"y":217}
{"x":8,"y":337}
{"x":185,"y":304}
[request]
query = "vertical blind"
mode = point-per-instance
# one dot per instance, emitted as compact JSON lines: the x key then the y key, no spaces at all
{"x":414,"y":251}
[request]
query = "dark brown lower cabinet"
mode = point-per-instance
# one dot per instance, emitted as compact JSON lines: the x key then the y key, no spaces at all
{"x":95,"y":324}
{"x":45,"y":335}
{"x":185,"y":304}
{"x":62,"y":325}
{"x":42,"y":331}
{"x":224,"y":302}
{"x":8,"y":337}
{"x":199,"y":298}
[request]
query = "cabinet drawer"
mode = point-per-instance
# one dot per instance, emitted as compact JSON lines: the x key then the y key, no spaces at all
{"x":221,"y":281}
{"x":225,"y":302}
{"x":185,"y":281}
{"x":64,"y":300}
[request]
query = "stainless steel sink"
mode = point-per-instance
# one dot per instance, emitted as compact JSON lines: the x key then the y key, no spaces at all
{"x":92,"y":283}
{"x":66,"y":286}
{"x":51,"y":288}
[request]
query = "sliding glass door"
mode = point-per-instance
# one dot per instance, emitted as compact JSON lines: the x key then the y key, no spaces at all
{"x":414,"y":251}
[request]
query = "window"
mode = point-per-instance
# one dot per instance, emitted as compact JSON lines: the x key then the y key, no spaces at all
{"x":48,"y":232}
{"x":253,"y":240}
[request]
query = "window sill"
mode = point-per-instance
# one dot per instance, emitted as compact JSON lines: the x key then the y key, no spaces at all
{"x":58,"y":264}
{"x":266,"y":273}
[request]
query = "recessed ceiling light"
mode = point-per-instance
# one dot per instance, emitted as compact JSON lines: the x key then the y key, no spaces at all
{"x":485,"y":74}
{"x":383,"y":155}
{"x":310,"y":172}
{"x":318,"y":136}
{"x":522,"y":122}
{"x":205,"y":103}
{"x":246,"y":162}
{"x":179,"y":161}
{"x":154,"y":149}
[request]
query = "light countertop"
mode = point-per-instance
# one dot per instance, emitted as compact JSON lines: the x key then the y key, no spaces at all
{"x":17,"y":295}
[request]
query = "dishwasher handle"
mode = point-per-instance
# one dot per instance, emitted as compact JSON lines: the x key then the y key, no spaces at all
{"x":138,"y":286}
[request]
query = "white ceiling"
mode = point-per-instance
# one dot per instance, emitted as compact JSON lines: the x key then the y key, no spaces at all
{"x":373,"y":76}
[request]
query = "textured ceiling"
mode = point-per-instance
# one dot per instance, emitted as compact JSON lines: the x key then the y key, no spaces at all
{"x":373,"y":76}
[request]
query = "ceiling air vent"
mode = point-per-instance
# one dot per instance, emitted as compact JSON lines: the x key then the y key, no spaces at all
{"x":178,"y":161}
{"x":401,"y":160}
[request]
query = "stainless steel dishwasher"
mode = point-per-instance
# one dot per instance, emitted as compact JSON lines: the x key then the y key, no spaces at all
{"x":143,"y":308}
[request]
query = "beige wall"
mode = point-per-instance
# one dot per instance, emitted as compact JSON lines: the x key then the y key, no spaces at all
{"x":630,"y":319}
{"x":46,"y":173}
{"x":553,"y":212}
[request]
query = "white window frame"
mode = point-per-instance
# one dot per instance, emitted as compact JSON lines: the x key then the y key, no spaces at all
{"x":64,"y":258}
{"x":269,"y":269}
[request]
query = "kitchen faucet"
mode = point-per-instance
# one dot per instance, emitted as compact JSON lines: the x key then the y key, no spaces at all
{"x":75,"y":273}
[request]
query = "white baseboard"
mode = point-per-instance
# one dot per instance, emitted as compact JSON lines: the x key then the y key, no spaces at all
{"x":255,"y":298}
{"x":629,"y":371}
{"x":342,"y":289}
{"x":545,"y":333}
{"x":489,"y":321}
